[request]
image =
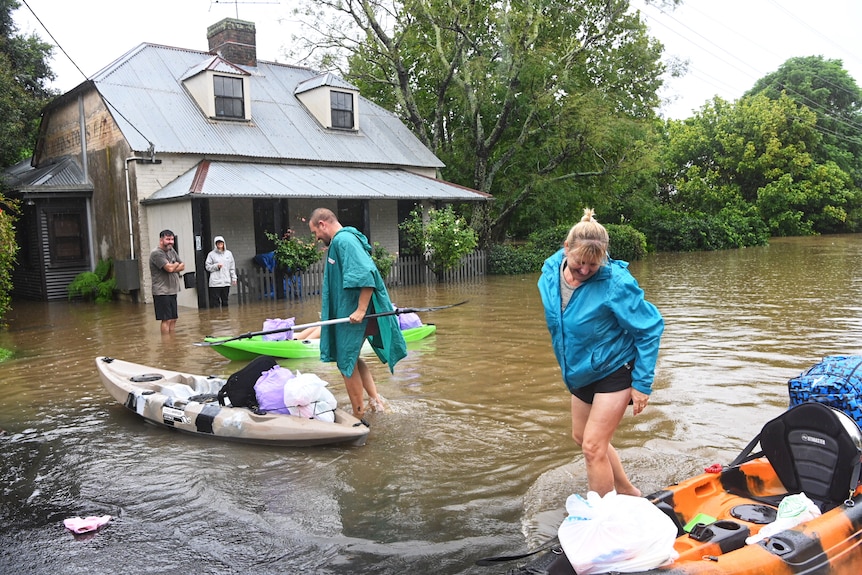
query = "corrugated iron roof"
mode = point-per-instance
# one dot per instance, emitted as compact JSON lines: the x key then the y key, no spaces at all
{"x":327,"y":79}
{"x":145,"y":86}
{"x":63,"y":175}
{"x":252,"y":180}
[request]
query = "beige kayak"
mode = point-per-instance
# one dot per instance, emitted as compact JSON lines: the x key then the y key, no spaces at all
{"x":189,"y":403}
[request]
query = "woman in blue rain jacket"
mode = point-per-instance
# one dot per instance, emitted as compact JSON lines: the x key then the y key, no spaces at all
{"x":606,"y":337}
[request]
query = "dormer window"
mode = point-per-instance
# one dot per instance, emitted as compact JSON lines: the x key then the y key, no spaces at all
{"x":221,"y":89}
{"x":342,"y":109}
{"x":229,"y":102}
{"x":332,"y":101}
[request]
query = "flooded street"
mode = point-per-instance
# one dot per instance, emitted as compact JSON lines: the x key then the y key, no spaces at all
{"x":473,"y":459}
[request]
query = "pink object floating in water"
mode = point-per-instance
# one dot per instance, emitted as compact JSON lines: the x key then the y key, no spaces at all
{"x":85,"y":525}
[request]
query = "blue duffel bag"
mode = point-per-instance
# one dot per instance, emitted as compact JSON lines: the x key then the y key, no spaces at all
{"x":836,"y":381}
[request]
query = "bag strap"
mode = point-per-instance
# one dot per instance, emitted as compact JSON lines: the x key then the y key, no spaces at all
{"x":550,"y":544}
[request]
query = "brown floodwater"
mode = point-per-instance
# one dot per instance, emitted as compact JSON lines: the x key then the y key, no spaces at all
{"x":473,"y":459}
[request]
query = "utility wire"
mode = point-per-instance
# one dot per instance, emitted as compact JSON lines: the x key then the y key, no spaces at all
{"x":151,"y":149}
{"x":800,"y":97}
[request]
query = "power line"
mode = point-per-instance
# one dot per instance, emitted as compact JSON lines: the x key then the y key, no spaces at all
{"x":56,"y":43}
{"x":799,"y":97}
{"x":151,"y":149}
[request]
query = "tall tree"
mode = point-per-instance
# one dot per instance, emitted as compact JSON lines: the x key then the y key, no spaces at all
{"x":24,"y":74}
{"x":521,"y":99}
{"x":755,"y":153}
{"x":826,"y":88}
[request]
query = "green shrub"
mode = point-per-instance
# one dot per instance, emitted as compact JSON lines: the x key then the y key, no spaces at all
{"x":293,"y":254}
{"x":547,"y":241}
{"x":8,"y":252}
{"x":94,"y":285}
{"x":626,"y":243}
{"x":445,"y":237}
{"x":506,"y":259}
{"x":672,"y":231}
{"x":382,"y":259}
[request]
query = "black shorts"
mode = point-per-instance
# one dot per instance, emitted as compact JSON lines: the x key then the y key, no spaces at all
{"x":617,"y":381}
{"x":166,"y":306}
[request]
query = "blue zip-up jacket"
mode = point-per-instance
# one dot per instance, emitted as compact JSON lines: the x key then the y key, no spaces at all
{"x":606,"y":324}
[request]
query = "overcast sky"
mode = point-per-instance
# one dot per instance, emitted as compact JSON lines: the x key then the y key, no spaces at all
{"x":729,"y":44}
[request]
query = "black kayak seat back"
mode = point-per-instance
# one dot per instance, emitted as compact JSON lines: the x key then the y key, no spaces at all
{"x":814,"y":452}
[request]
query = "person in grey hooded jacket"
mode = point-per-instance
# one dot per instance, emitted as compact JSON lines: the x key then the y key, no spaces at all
{"x":222,"y":268}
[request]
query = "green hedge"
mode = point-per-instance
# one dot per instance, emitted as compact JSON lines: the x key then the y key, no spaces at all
{"x":626,"y":243}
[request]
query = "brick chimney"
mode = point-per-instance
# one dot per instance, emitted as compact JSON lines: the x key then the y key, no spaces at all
{"x":234,"y":40}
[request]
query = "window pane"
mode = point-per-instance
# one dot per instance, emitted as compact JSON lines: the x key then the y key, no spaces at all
{"x":341,"y":101}
{"x":342,"y":119}
{"x":228,"y":97}
{"x":66,"y":241}
{"x":341,"y":109}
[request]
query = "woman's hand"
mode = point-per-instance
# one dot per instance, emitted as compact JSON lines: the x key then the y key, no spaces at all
{"x":639,"y":401}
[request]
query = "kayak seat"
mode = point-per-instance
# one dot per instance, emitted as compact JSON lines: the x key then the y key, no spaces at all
{"x":813,"y":450}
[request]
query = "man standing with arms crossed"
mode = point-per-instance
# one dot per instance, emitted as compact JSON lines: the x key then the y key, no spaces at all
{"x":354,"y":288}
{"x":165,"y":268}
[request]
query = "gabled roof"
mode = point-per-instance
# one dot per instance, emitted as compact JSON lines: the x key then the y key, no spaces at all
{"x":255,"y":180}
{"x":216,"y":64}
{"x":145,"y":86}
{"x":327,"y":79}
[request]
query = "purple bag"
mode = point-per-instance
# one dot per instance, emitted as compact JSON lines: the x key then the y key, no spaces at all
{"x":269,"y":390}
{"x":408,"y":321}
{"x":278,"y":323}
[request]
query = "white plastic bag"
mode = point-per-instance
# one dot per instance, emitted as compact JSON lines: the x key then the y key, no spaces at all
{"x":793,"y":510}
{"x":307,"y":393}
{"x":616,"y":533}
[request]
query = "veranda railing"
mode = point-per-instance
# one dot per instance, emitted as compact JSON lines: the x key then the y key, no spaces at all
{"x":255,"y":283}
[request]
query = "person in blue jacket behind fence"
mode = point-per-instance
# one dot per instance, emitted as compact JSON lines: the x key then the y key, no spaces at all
{"x":606,"y":337}
{"x":354,"y":288}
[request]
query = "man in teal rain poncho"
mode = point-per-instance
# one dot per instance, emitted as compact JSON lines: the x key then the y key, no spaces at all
{"x":354,"y":288}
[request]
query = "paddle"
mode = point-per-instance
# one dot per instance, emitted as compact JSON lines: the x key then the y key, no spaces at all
{"x":397,"y":311}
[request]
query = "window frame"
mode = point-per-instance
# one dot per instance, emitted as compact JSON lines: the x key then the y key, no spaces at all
{"x":226,"y":104}
{"x":340,"y":113}
{"x":67,"y":241}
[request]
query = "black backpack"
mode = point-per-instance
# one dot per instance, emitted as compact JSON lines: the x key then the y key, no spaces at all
{"x":239,"y":388}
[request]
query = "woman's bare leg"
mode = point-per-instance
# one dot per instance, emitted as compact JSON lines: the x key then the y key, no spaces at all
{"x":593,"y":427}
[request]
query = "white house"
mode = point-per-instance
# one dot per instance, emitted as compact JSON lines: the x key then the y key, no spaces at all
{"x":205,"y":144}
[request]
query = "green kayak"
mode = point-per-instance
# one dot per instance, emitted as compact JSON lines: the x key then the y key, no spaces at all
{"x":249,"y":348}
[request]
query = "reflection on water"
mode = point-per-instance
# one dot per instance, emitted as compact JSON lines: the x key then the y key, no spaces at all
{"x":474,"y":458}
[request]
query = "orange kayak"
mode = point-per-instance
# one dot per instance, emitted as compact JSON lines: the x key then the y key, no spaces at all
{"x":811,"y":449}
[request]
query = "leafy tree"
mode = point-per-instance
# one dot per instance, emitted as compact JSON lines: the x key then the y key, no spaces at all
{"x":824,"y":87}
{"x":527,"y":100}
{"x":24,"y":73}
{"x":754,"y":153}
